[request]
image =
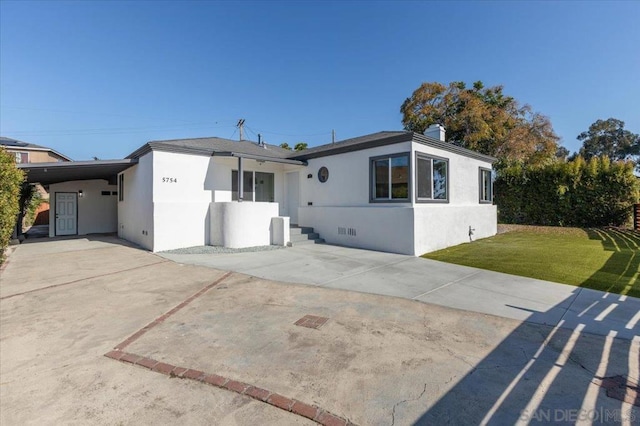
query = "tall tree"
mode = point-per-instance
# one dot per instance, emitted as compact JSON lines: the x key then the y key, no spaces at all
{"x":483,"y":119}
{"x":300,"y":146}
{"x":609,"y":138}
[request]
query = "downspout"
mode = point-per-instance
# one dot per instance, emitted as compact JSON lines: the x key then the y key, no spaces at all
{"x":240,"y":180}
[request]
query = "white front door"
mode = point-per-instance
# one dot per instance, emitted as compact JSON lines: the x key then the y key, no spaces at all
{"x":66,"y":213}
{"x":293,"y":196}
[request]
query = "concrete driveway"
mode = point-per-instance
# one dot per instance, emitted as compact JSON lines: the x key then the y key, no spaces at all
{"x":430,"y":281}
{"x":94,"y":331}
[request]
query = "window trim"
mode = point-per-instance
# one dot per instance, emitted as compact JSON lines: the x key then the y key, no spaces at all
{"x":21,"y":153}
{"x":121,"y":187}
{"x":253,"y":186}
{"x":480,"y":186}
{"x":425,"y":156}
{"x":372,"y":175}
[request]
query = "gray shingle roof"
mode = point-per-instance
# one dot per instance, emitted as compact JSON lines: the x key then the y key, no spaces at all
{"x":213,"y":145}
{"x":210,"y":146}
{"x":354,"y":144}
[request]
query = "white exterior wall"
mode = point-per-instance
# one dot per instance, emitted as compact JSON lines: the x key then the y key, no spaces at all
{"x":376,"y":227}
{"x":97,"y":213}
{"x":180,"y":200}
{"x":348,"y":183}
{"x":409,"y":228}
{"x":135,"y":212}
{"x":441,"y":225}
{"x":185,"y":185}
{"x":343,"y":202}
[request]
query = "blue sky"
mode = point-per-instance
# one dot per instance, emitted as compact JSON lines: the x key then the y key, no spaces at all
{"x":102,"y":78}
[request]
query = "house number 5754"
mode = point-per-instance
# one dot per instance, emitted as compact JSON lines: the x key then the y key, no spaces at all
{"x":169,"y":180}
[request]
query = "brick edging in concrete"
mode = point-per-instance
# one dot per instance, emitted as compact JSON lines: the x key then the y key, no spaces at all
{"x":49,"y":287}
{"x":135,"y":336}
{"x":294,"y":406}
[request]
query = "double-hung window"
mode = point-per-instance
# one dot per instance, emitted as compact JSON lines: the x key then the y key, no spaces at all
{"x":389,"y":178}
{"x":486,"y":186}
{"x":432,"y":179}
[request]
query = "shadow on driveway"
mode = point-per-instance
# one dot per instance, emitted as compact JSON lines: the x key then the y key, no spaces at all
{"x":603,"y":390}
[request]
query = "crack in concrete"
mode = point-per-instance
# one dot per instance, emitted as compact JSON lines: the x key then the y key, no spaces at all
{"x":393,"y":411}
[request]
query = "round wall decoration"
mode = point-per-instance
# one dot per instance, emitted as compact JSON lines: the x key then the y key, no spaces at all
{"x":323,"y":174}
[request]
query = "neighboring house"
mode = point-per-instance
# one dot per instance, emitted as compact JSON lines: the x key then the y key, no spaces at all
{"x":396,"y":191}
{"x":26,"y":153}
{"x":31,"y":153}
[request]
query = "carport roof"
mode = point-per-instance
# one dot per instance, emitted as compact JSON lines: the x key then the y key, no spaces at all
{"x":49,"y":173}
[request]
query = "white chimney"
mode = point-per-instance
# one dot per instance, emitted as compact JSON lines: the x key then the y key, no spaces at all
{"x":435,"y":131}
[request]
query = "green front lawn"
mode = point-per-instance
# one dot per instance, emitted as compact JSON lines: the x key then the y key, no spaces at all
{"x":602,"y":259}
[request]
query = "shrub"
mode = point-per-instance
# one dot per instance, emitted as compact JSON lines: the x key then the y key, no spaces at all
{"x":574,"y":193}
{"x":10,"y":183}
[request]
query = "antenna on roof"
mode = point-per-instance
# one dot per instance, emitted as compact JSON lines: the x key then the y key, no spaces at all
{"x":333,"y":136}
{"x":240,"y":126}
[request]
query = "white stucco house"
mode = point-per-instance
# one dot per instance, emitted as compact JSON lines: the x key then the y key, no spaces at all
{"x":393,"y":191}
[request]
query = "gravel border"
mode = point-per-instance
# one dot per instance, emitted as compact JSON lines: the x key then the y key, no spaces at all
{"x":220,"y":250}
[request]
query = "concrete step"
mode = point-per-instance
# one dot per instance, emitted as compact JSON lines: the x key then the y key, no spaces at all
{"x":304,"y":242}
{"x":297,"y":230}
{"x":304,"y":237}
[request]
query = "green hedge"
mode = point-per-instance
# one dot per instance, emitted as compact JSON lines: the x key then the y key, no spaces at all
{"x":574,"y":193}
{"x":10,"y":183}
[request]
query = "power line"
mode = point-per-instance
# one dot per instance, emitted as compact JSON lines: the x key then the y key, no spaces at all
{"x":102,"y":113}
{"x":106,"y":131}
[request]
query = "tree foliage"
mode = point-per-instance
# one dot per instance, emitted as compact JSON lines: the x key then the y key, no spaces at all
{"x":298,"y":147}
{"x":10,"y":184}
{"x":483,"y":119}
{"x":609,"y":138}
{"x":583,"y":193}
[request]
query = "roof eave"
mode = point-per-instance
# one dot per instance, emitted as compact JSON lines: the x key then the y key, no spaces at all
{"x":260,"y":158}
{"x":448,"y":146}
{"x":388,"y":140}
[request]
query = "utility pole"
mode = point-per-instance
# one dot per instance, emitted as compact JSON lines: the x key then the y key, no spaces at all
{"x":333,"y":136}
{"x":240,"y":126}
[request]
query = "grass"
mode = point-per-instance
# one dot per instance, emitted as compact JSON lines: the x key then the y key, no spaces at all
{"x":601,"y":259}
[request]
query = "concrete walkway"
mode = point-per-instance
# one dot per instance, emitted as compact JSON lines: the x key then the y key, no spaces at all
{"x":445,"y":284}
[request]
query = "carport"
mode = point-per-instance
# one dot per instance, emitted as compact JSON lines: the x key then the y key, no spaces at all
{"x":83,"y":194}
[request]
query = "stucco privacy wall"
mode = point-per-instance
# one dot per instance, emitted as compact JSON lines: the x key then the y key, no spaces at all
{"x":97,"y":213}
{"x":239,"y":225}
{"x":135,"y":212}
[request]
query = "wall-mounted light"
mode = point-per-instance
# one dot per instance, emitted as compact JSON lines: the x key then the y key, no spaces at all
{"x":80,"y":193}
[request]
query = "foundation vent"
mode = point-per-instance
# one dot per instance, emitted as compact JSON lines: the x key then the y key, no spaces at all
{"x":347,"y":231}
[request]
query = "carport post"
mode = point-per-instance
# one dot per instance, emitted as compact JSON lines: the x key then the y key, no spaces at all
{"x":240,"y":180}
